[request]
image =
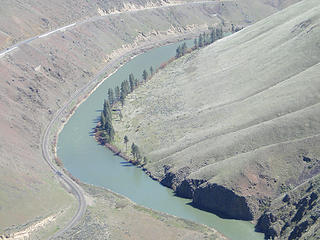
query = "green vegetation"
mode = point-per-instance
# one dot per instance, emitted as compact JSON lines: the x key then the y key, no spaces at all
{"x":181,"y":50}
{"x":111,"y":96}
{"x":145,"y":75}
{"x":135,"y":152}
{"x":106,"y":131}
{"x":203,"y":40}
{"x":126,"y":140}
{"x":117,"y":93}
{"x":151,"y":71}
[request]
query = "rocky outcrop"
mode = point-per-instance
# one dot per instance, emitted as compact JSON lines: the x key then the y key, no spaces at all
{"x":222,"y":201}
{"x":187,"y":187}
{"x":211,"y":197}
{"x":251,"y":134}
{"x":180,"y":183}
{"x":174,"y":179}
{"x":295,"y":215}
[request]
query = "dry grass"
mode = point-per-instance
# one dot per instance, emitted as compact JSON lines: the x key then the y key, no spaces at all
{"x":241,"y":113}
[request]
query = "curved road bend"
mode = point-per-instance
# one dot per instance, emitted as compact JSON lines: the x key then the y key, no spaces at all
{"x":45,"y":145}
{"x":75,"y":188}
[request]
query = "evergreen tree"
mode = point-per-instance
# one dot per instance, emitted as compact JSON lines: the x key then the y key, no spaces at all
{"x":133,"y":149}
{"x":126,"y":140}
{"x":106,"y":109}
{"x":178,"y":52}
{"x":145,"y":75}
{"x":106,"y":122}
{"x":213,"y":36}
{"x":196,"y":46}
{"x":111,"y":96}
{"x":219,"y":33}
{"x":184,"y":49}
{"x":124,"y":90}
{"x":103,"y":120}
{"x":109,"y":130}
{"x":200,"y":41}
{"x":117,"y":93}
{"x":131,"y":82}
{"x":127,"y":86}
{"x":205,"y":39}
{"x":122,"y":98}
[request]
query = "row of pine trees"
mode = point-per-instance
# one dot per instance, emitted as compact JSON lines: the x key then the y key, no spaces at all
{"x":119,"y":94}
{"x":203,"y":40}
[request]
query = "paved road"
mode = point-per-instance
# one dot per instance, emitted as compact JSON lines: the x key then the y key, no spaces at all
{"x":45,"y":144}
{"x":95,"y":18}
{"x":59,"y":115}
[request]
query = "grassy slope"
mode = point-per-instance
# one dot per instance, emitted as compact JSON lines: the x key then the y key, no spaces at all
{"x":22,"y":19}
{"x":111,"y":216}
{"x":295,"y":215}
{"x":39,"y":77}
{"x":241,"y":113}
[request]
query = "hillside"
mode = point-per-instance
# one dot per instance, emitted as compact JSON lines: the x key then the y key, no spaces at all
{"x":235,"y":125}
{"x":294,"y":215}
{"x":24,"y":19}
{"x":40,"y":76}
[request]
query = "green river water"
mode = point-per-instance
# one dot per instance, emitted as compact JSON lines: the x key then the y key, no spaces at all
{"x":95,"y":164}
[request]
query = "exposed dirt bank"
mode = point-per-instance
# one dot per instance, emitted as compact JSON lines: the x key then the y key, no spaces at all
{"x":239,"y":126}
{"x":39,"y":77}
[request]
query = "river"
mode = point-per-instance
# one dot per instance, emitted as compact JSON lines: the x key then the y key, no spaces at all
{"x":94,"y":164}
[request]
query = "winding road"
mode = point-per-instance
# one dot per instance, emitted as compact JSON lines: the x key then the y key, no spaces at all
{"x":45,"y":140}
{"x":61,"y":113}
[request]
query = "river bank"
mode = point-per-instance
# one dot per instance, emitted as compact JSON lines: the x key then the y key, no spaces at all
{"x":92,"y":163}
{"x":118,"y":144}
{"x":75,"y":101}
{"x":113,"y":216}
{"x":118,"y":61}
{"x":39,"y":77}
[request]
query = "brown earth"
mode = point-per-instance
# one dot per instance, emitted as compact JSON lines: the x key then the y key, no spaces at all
{"x":231,"y":125}
{"x":294,"y":215}
{"x":39,"y":77}
{"x":112,"y":216}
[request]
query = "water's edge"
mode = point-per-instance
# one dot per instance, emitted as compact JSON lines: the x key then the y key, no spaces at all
{"x":75,"y":171}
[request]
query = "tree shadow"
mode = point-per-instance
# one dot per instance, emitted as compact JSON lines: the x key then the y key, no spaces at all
{"x":92,"y":132}
{"x":126,"y":164}
{"x":94,"y":121}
